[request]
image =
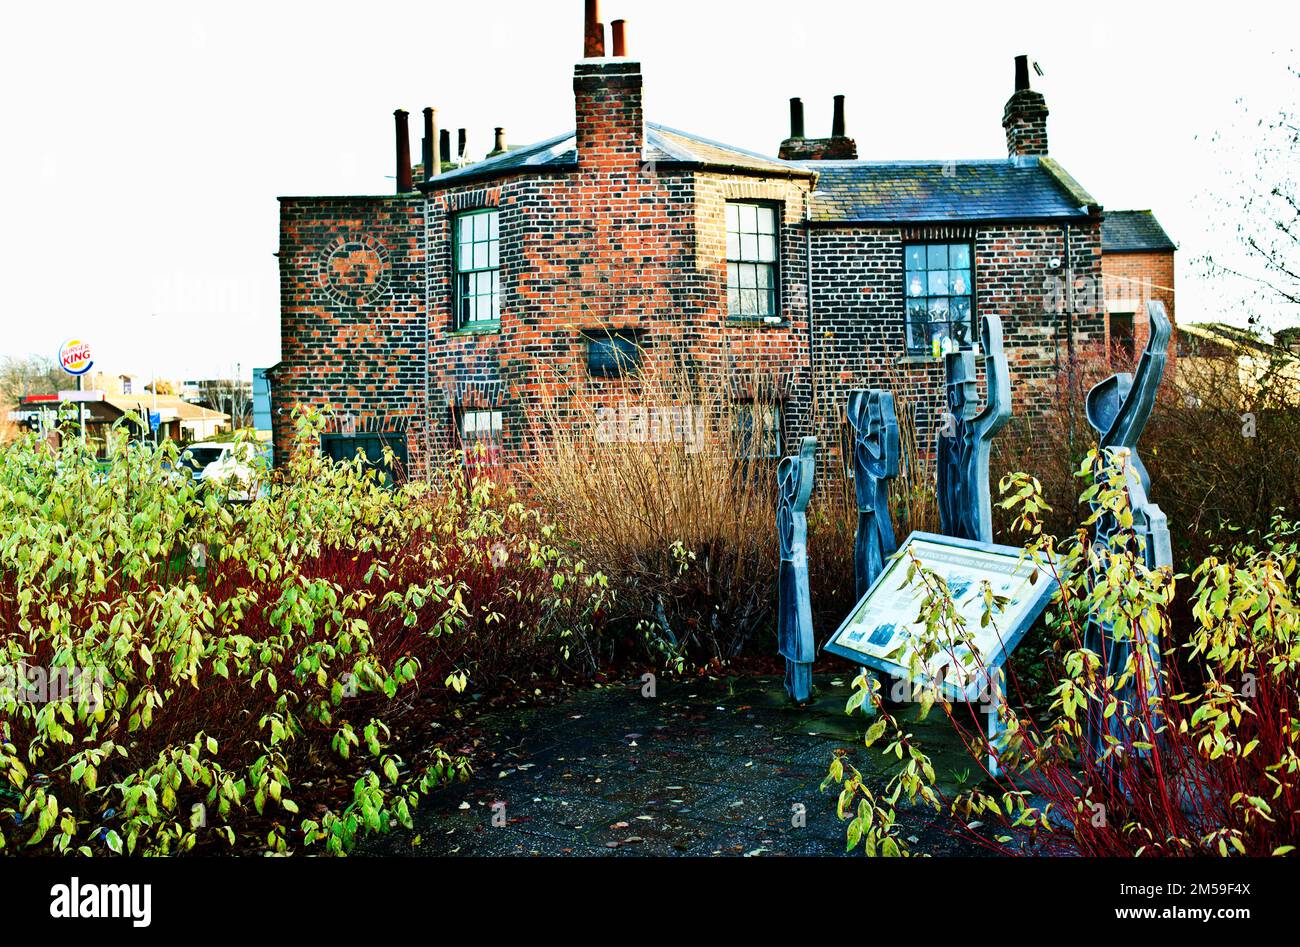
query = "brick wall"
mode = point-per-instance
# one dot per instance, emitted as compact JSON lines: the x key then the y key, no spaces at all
{"x":1131,"y":280}
{"x":352,"y":316}
{"x":858,"y":312}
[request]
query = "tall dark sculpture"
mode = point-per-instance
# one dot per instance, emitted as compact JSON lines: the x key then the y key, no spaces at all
{"x":875,"y":462}
{"x":966,"y":435}
{"x":794,"y":628}
{"x":1118,"y":409}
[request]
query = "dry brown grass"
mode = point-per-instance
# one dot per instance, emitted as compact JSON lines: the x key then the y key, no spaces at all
{"x":646,"y":479}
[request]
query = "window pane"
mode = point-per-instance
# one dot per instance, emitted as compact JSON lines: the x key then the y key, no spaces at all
{"x":733,"y":245}
{"x":764,"y":276}
{"x":748,"y":218}
{"x":464,"y":228}
{"x":938,"y":282}
{"x":767,"y":248}
{"x":915,"y":258}
{"x":480,"y":256}
{"x":733,"y":300}
{"x":959,"y":282}
{"x":915,"y":284}
{"x":746,"y":275}
{"x":937,"y":257}
{"x":959,"y":256}
{"x":733,"y":217}
{"x":492,"y":220}
{"x":748,"y":246}
{"x":766,"y":220}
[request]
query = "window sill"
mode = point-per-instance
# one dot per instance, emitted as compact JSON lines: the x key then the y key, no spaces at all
{"x":758,"y":322}
{"x":478,"y":328}
{"x":918,"y":359}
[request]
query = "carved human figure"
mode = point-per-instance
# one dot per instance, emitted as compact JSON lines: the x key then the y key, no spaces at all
{"x":966,"y":435}
{"x":795,"y":640}
{"x":875,"y":462}
{"x":1118,"y":409}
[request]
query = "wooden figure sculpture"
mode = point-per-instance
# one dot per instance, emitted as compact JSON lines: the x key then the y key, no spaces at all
{"x":1118,"y":409}
{"x":875,"y":462}
{"x":794,"y":628}
{"x":966,"y":435}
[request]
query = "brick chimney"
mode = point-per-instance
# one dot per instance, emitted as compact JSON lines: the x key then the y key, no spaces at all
{"x":607,"y":95}
{"x":837,"y":147}
{"x":1025,"y":117}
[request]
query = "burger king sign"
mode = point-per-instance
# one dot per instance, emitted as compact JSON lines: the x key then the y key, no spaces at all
{"x":74,"y":357}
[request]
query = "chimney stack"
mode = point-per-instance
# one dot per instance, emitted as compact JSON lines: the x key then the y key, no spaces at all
{"x":462,"y":145}
{"x":500,"y":145}
{"x":1025,"y":116}
{"x":444,"y":146}
{"x":619,"y":30}
{"x":838,"y":147}
{"x":796,"y":118}
{"x":432,"y":144}
{"x":404,"y":184}
{"x":607,"y":98}
{"x":593,"y":38}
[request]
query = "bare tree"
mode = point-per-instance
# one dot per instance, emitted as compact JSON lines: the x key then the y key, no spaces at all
{"x":1263,"y":203}
{"x":234,"y":396}
{"x":31,"y":375}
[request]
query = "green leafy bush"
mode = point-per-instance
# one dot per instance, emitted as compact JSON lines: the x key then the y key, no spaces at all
{"x":1208,"y":762}
{"x":185,"y":673}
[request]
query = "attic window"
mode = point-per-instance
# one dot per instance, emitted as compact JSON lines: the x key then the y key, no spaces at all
{"x":937,"y":291}
{"x":751,"y":260}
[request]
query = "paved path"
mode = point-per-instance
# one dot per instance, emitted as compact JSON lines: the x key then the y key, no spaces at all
{"x":703,"y":768}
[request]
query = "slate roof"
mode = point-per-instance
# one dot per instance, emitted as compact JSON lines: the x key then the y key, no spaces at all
{"x":662,"y":144}
{"x":847,"y":191}
{"x":923,"y":191}
{"x":1133,"y":231}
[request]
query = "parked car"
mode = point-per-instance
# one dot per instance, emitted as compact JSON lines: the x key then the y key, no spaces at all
{"x":228,"y":464}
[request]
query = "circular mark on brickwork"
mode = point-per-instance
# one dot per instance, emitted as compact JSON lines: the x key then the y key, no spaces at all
{"x":354,"y":270}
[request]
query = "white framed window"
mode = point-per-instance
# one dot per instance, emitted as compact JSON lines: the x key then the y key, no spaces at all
{"x":751,"y":260}
{"x":478,"y":267}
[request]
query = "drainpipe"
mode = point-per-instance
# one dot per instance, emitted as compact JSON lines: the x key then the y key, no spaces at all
{"x":808,"y":280}
{"x":1069,"y":338}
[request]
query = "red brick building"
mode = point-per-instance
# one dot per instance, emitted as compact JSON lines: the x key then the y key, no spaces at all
{"x":454,"y":309}
{"x":1137,"y":266}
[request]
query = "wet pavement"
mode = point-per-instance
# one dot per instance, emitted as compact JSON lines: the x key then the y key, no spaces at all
{"x":704,"y":767}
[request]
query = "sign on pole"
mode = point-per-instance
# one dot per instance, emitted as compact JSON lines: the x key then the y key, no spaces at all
{"x":75,"y":357}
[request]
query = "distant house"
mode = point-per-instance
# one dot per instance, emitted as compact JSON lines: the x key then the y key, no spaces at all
{"x":1137,"y":266}
{"x":1202,"y":345}
{"x":178,"y":419}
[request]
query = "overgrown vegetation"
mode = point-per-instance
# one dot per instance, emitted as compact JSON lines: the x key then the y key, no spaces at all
{"x":1197,"y":753}
{"x":187,"y":674}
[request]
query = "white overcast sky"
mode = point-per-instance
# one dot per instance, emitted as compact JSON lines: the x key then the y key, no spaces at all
{"x":145,"y":143}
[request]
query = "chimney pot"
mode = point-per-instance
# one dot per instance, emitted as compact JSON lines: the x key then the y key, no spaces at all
{"x":837,"y":122}
{"x":618,"y":28}
{"x":500,"y":144}
{"x":1022,"y":73}
{"x":462,"y":143}
{"x":796,"y":118}
{"x":404,"y":184}
{"x":432,"y":152}
{"x":444,"y":146}
{"x":593,"y":41}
